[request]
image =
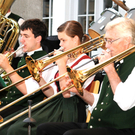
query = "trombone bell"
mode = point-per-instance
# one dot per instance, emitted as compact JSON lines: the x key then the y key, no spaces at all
{"x":1,"y":118}
{"x":32,"y":67}
{"x":35,"y":66}
{"x":78,"y":79}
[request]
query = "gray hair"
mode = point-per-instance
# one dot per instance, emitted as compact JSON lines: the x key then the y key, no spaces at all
{"x":126,"y":27}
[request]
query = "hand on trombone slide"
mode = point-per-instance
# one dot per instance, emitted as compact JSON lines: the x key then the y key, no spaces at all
{"x":61,"y":61}
{"x":69,"y":82}
{"x":103,"y":57}
{"x":4,"y":62}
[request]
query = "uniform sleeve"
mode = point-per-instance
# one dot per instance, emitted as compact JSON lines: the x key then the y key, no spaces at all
{"x":125,"y":93}
{"x":96,"y":97}
{"x":31,"y":85}
{"x":47,"y":74}
{"x":20,"y":21}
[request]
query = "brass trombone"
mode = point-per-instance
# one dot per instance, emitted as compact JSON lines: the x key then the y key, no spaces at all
{"x":38,"y":65}
{"x":9,"y":55}
{"x":85,"y":47}
{"x":78,"y":77}
{"x":35,"y":66}
{"x":24,"y":66}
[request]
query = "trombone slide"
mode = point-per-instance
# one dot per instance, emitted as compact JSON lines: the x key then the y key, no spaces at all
{"x":87,"y":73}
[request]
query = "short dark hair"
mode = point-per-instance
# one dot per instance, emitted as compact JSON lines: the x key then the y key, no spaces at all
{"x":37,"y":27}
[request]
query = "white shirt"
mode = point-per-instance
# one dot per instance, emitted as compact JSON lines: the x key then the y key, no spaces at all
{"x":49,"y":74}
{"x":125,"y":93}
{"x":96,"y":97}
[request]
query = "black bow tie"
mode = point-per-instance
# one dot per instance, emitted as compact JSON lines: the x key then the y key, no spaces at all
{"x":25,"y":54}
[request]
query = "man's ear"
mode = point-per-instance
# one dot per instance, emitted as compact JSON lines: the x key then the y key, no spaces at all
{"x":127,"y":40}
{"x":39,"y":38}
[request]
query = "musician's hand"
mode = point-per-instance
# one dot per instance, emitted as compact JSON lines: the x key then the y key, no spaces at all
{"x":6,"y":53}
{"x":61,"y":61}
{"x":69,"y":82}
{"x":42,"y":81}
{"x":4,"y":62}
{"x":102,"y":58}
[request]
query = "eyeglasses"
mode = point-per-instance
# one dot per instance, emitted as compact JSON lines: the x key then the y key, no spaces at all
{"x":109,"y":41}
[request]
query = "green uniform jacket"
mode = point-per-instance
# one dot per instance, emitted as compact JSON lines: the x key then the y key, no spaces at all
{"x":58,"y":109}
{"x":107,"y":113}
{"x":14,"y":93}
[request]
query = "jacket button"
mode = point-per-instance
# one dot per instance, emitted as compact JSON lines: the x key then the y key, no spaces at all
{"x":102,"y":103}
{"x":101,"y":110}
{"x":91,"y":126}
{"x":92,"y":117}
{"x":99,"y":119}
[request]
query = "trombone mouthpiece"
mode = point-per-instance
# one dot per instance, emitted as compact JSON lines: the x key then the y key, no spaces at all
{"x":61,"y":49}
{"x":21,"y":46}
{"x":108,"y":50}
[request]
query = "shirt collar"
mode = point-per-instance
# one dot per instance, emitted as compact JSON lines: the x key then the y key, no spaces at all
{"x":32,"y":52}
{"x":121,"y":61}
{"x":118,"y":63}
{"x":7,"y":14}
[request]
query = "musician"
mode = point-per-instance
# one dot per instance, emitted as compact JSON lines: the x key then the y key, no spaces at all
{"x":122,"y":88}
{"x":33,"y":33}
{"x":107,"y":117}
{"x":62,"y":108}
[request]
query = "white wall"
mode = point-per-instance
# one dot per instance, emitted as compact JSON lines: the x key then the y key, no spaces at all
{"x":98,"y":8}
{"x":63,"y":10}
{"x":59,"y":13}
{"x":28,"y":8}
{"x":130,"y":4}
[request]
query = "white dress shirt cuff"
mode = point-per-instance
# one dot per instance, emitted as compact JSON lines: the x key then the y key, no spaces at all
{"x":96,"y":97}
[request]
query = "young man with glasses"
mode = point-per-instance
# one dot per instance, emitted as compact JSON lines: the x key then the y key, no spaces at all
{"x":107,"y":117}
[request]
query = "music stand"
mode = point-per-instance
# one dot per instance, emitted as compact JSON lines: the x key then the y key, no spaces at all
{"x":29,"y":120}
